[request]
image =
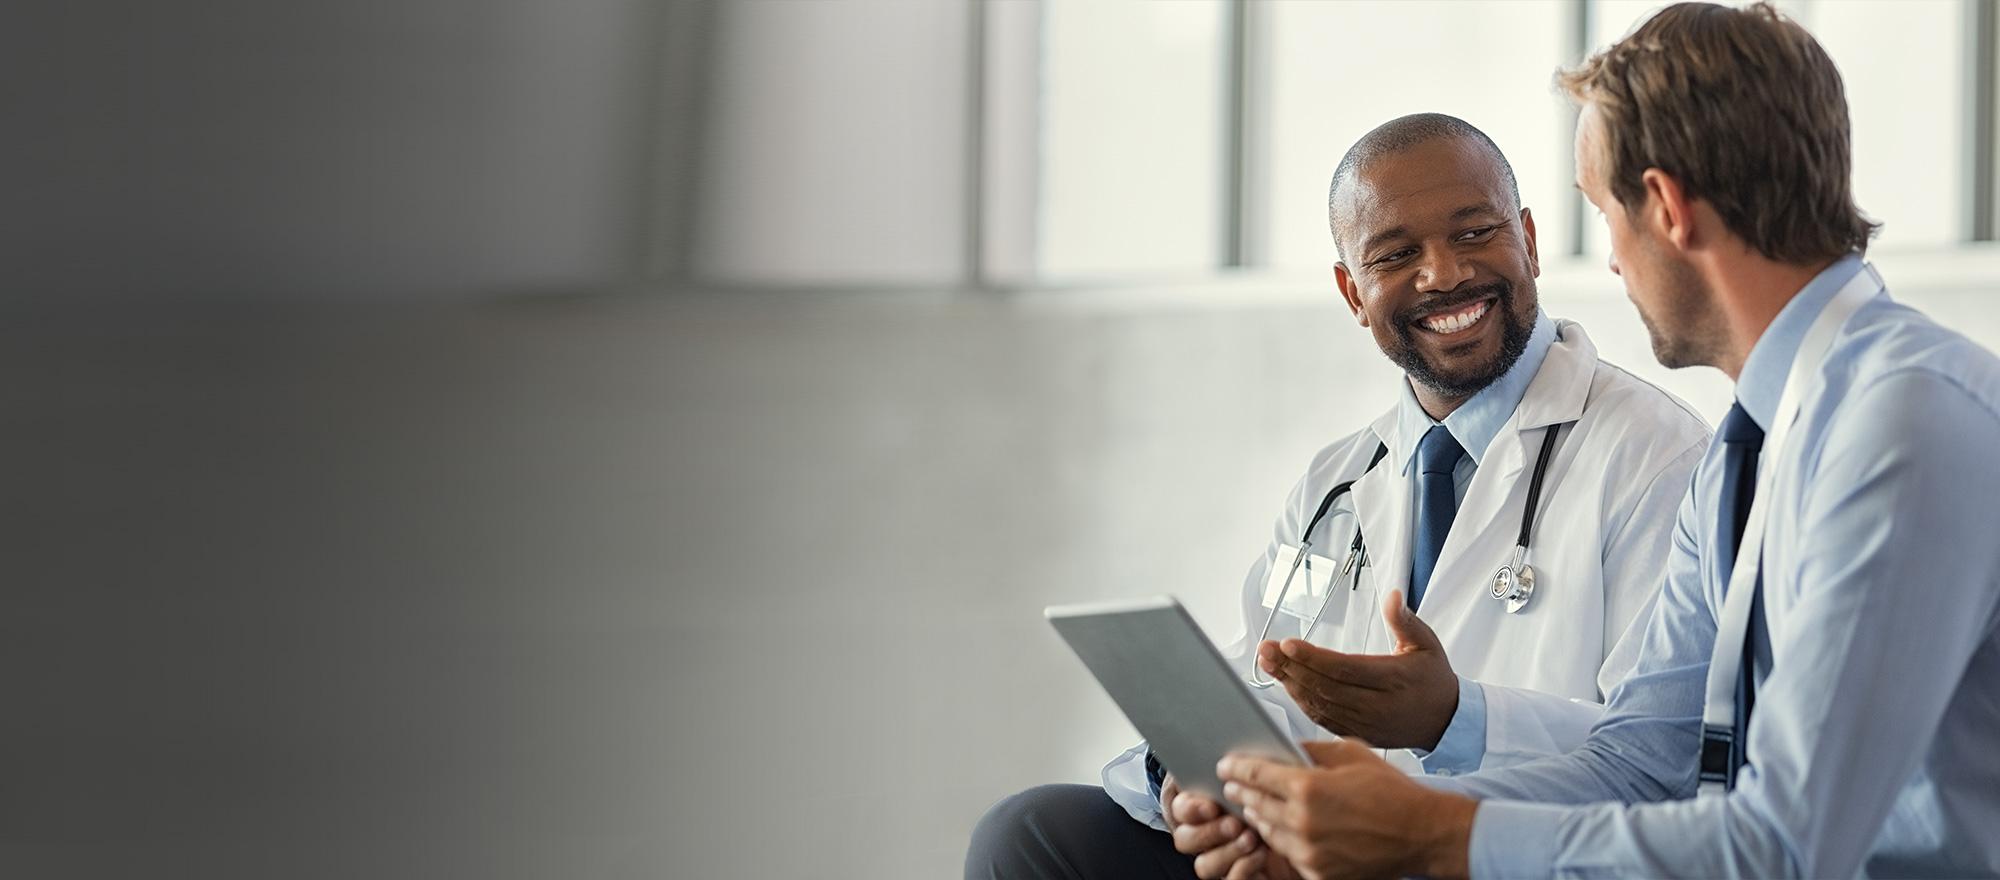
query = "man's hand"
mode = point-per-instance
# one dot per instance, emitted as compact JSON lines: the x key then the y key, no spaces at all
{"x":1224,"y":848}
{"x":1400,"y":700}
{"x":1353,"y":815}
{"x":1169,"y":790}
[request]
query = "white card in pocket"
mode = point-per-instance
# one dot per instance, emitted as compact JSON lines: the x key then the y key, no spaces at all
{"x":1311,"y":584}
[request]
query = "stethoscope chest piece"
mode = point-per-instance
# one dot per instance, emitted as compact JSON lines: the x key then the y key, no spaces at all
{"x":1514,"y":583}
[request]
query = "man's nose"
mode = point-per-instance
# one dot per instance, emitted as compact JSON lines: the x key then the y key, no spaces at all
{"x":1442,"y":270}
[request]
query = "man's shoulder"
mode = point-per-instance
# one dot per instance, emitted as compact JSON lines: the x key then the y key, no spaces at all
{"x":1625,"y":406}
{"x":1894,"y":340}
{"x":1345,"y":458}
{"x":1901,"y":391}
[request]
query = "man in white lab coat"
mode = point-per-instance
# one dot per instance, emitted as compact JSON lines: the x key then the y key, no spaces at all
{"x":1415,"y":653}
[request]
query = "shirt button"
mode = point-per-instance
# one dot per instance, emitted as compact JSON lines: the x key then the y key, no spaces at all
{"x":1444,"y":772}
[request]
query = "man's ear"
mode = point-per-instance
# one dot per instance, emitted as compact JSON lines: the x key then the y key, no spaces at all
{"x":1668,"y":209}
{"x":1528,"y":231}
{"x":1350,"y":292}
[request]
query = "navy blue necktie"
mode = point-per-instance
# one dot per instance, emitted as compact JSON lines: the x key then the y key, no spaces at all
{"x":1742,"y":440}
{"x":1437,"y":503}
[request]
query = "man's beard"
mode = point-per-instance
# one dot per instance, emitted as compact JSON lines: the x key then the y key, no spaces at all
{"x":1514,"y":333}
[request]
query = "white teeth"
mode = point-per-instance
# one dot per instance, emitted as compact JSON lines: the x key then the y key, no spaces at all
{"x":1456,"y":321}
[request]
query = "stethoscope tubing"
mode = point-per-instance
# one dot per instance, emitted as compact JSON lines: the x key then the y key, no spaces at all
{"x":1358,"y":548}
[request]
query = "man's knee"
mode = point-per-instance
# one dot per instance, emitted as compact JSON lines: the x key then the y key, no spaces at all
{"x":1039,"y":832}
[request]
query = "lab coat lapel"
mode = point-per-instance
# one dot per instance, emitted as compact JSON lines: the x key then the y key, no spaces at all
{"x":1382,"y":498}
{"x":1562,"y":387}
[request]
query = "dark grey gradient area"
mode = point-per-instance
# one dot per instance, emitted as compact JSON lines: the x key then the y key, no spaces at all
{"x":592,"y":588}
{"x":366,"y":149}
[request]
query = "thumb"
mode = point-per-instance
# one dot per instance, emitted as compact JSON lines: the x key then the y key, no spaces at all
{"x":1411,"y":632}
{"x":1334,"y":752}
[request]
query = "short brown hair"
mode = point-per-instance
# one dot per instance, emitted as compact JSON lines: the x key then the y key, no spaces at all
{"x":1746,"y":111}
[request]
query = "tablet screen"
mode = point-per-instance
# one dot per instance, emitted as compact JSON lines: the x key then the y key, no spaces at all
{"x":1169,"y":680}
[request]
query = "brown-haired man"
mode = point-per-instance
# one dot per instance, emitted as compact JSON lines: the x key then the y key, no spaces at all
{"x":1823,"y":667}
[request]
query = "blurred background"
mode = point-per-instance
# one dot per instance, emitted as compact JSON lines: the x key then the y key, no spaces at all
{"x":618,"y":439}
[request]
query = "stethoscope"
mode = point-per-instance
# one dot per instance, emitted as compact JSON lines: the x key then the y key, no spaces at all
{"x":1513,"y":584}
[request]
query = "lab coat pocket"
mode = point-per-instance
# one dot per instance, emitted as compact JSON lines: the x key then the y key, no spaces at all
{"x":1301,"y":591}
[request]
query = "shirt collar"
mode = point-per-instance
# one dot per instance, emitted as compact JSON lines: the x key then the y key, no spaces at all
{"x":1762,"y":380}
{"x":1478,"y":420}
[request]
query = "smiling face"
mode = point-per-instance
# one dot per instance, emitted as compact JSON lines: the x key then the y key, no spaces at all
{"x":1439,"y":265}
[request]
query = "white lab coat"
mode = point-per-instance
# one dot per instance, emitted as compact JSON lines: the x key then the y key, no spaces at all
{"x":1599,"y":549}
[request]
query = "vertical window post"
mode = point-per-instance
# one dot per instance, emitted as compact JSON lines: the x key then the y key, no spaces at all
{"x":1576,"y":44}
{"x":1243,"y":133}
{"x":1980,"y":95}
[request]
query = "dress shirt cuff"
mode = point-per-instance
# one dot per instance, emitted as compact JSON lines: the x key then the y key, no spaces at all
{"x":1515,"y":839}
{"x":1125,"y":781}
{"x":1463,"y":745}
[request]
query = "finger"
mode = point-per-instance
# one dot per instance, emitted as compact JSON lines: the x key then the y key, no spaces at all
{"x":1277,"y":836}
{"x":1216,"y":862}
{"x":1247,"y":771}
{"x":1269,"y":657}
{"x":1325,"y":709}
{"x":1195,"y":838}
{"x":1334,"y":705}
{"x":1411,"y":632}
{"x":1331,"y":670}
{"x":1249,"y":798}
{"x":1335,"y":752}
{"x":1169,"y":792}
{"x":1192,"y":807}
{"x":1250,"y":866}
{"x":1287,"y":845}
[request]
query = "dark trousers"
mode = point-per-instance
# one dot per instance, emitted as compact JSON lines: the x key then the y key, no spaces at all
{"x":1072,"y":832}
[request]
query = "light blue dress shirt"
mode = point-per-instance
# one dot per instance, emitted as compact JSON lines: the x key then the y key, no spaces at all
{"x":1874,"y":748}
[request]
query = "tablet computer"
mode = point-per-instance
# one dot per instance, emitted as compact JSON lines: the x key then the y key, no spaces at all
{"x":1166,"y":676}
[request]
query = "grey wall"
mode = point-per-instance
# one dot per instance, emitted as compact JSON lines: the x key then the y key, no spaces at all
{"x":220,"y":149}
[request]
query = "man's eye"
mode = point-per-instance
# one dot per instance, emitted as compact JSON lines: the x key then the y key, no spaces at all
{"x":1475,"y":234}
{"x":1394,"y":256}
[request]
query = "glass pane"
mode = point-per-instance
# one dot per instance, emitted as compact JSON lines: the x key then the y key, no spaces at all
{"x":1610,"y":21}
{"x":1132,"y":173}
{"x":1905,"y":101}
{"x":1340,"y":69}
